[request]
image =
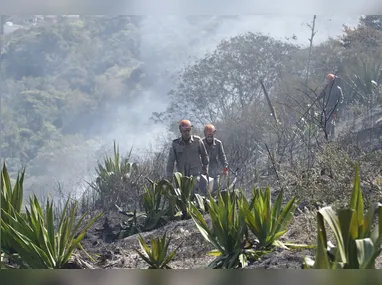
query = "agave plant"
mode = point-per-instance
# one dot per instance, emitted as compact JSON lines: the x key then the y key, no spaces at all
{"x":157,"y":257}
{"x":358,"y":244}
{"x":363,"y":80}
{"x":36,"y":242}
{"x":11,"y":198}
{"x":154,"y":204}
{"x":267,"y":221}
{"x":182,"y":192}
{"x":132,"y":223}
{"x":227,"y":232}
{"x":114,"y":178}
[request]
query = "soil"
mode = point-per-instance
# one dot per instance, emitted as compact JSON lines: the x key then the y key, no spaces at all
{"x":192,"y":254}
{"x":109,"y":252}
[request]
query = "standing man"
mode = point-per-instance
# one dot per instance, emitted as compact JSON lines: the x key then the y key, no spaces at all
{"x":215,"y":152}
{"x":189,"y":153}
{"x":332,"y":98}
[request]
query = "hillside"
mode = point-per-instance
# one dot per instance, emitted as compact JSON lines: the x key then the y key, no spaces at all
{"x":72,"y":87}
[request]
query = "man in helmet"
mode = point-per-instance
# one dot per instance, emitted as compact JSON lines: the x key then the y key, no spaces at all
{"x":188,"y":152}
{"x":215,"y":152}
{"x":332,"y":98}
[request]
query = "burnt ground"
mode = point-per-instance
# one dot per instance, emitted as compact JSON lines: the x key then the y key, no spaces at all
{"x":193,"y":252}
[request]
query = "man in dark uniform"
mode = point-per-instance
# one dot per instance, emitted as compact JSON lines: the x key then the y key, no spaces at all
{"x":332,"y":97}
{"x":188,"y":152}
{"x":215,"y":152}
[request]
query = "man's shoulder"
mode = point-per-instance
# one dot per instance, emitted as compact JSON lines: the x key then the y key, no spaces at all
{"x":197,"y":138}
{"x":217,"y":141}
{"x":177,"y":140}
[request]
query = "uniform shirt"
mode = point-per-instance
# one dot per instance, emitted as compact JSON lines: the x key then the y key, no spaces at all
{"x":189,"y":156}
{"x":216,"y":154}
{"x":332,"y":97}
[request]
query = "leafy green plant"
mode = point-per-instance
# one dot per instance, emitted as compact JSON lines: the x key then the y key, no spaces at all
{"x":11,"y":198}
{"x":200,"y":202}
{"x":114,"y":179}
{"x":358,"y":244}
{"x":132,"y":223}
{"x":157,"y":256}
{"x":267,"y":221}
{"x":161,"y":202}
{"x":154,"y":204}
{"x":182,"y":192}
{"x":364,"y":73}
{"x":227,"y":232}
{"x":34,"y":238}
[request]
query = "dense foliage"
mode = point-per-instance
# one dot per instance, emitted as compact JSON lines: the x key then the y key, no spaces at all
{"x":62,"y":80}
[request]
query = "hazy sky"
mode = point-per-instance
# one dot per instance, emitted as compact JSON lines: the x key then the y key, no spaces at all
{"x":285,"y":26}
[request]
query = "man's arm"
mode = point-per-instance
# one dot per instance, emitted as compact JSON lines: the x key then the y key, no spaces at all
{"x":170,"y":162}
{"x":340,"y":95}
{"x":204,"y":156}
{"x":222,"y":156}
